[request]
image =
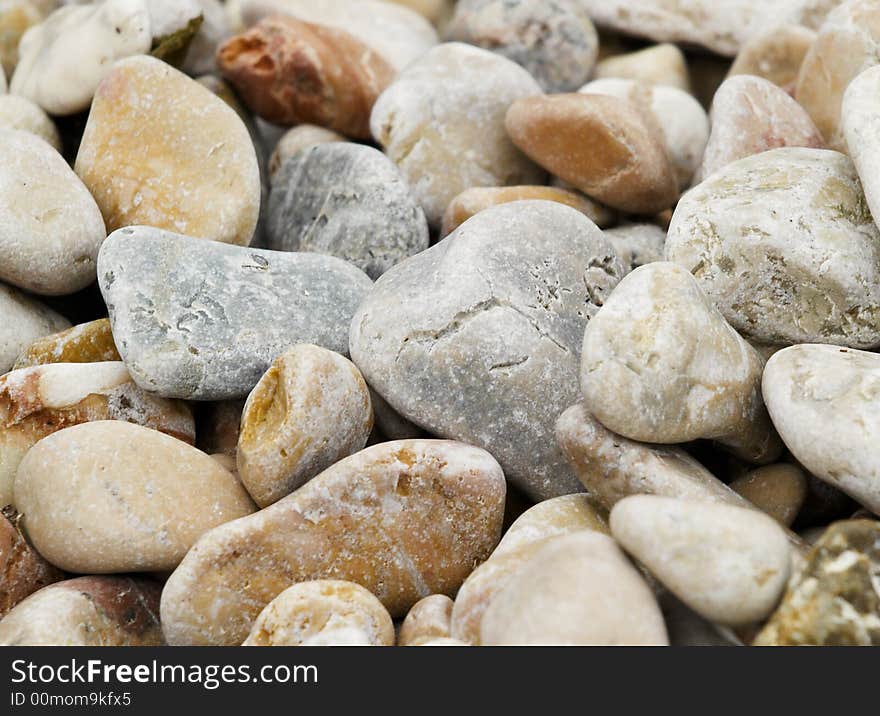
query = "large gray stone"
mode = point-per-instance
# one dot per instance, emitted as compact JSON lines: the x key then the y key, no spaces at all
{"x":203,"y":320}
{"x":346,"y":200}
{"x":478,"y":338}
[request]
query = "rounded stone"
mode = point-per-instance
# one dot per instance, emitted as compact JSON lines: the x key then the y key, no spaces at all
{"x":22,"y":568}
{"x":15,"y":19}
{"x":310,"y":410}
{"x":298,"y":139}
{"x":861,"y":105}
{"x":403,"y":519}
{"x":162,"y":150}
{"x":785,"y":246}
{"x":779,"y":490}
{"x":50,"y":227}
{"x":478,"y":338}
{"x":22,"y":114}
{"x":428,"y":620}
{"x":24,"y":321}
{"x":325,"y":612}
{"x":90,"y":342}
{"x":441,"y":152}
{"x":599,"y":144}
{"x":663,"y":64}
{"x":775,"y":55}
{"x":728,"y":564}
{"x":346,"y":200}
{"x":111,"y":496}
{"x":637,"y":244}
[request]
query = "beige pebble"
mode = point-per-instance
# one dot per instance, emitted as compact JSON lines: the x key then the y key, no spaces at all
{"x":577,"y":590}
{"x":16,"y":17}
{"x":326,"y":612}
{"x":160,"y":149}
{"x":90,"y":342}
{"x":22,"y":570}
{"x":428,"y":620}
{"x":599,"y":144}
{"x":87,"y":611}
{"x":111,"y":496}
{"x":775,"y":54}
{"x":861,"y":106}
{"x":779,"y":490}
{"x":22,"y":114}
{"x":24,"y":321}
{"x":729,"y":564}
{"x":663,"y":64}
{"x":297,"y":139}
{"x":405,"y":520}
{"x":637,"y":244}
{"x":661,"y":365}
{"x":310,"y":410}
{"x":38,"y":401}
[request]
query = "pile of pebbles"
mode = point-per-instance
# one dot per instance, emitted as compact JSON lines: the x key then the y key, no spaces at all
{"x":489,"y":322}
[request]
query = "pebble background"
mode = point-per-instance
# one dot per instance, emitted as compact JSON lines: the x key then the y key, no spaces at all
{"x":439,"y":323}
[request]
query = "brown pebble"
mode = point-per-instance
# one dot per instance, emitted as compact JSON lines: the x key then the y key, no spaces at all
{"x":90,"y":342}
{"x":779,"y":490}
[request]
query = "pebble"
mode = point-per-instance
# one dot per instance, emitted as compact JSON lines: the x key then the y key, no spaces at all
{"x":473,"y":201}
{"x":310,"y":410}
{"x":555,"y":41}
{"x":729,"y":564}
{"x":325,"y":612}
{"x":50,"y":227}
{"x":24,"y":321}
{"x":577,"y":590}
{"x":346,"y":200}
{"x":442,"y":122}
{"x":111,"y":496}
{"x":751,"y":115}
{"x":90,"y":342}
{"x":678,"y":117}
{"x":835,"y":600}
{"x":848,"y":43}
{"x":478,"y":338}
{"x":38,"y":401}
{"x":661,"y":365}
{"x":861,"y":105}
{"x":637,"y":244}
{"x":202,"y":177}
{"x":430,"y":619}
{"x":215,"y":28}
{"x":662,"y":64}
{"x":24,"y":570}
{"x":780,"y":490}
{"x":601,"y":145}
{"x":63,"y":59}
{"x":297,"y":139}
{"x":87,"y":611}
{"x":22,"y":114}
{"x":403,"y":519}
{"x":784,"y":245}
{"x":174,"y":301}
{"x":825,"y":402}
{"x":775,"y":55}
{"x":16,"y":17}
{"x":290,"y":72}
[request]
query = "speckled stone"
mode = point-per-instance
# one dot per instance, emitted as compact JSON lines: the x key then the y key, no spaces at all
{"x":663,"y":64}
{"x":478,"y":338}
{"x":24,"y":320}
{"x":297,"y":139}
{"x":775,"y":55}
{"x":403,"y":519}
{"x":90,"y":342}
{"x":346,"y":200}
{"x":785,"y":246}
{"x":861,"y":106}
{"x":174,"y":301}
{"x":22,"y":114}
{"x":162,"y":150}
{"x":428,"y":620}
{"x":637,"y":244}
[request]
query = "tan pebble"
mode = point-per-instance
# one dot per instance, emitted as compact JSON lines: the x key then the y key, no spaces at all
{"x":38,"y":401}
{"x":405,"y":520}
{"x":111,"y":496}
{"x":22,"y":568}
{"x":472,"y":201}
{"x":202,"y":178}
{"x":326,"y":612}
{"x":218,"y":426}
{"x":310,"y":410}
{"x":90,"y":342}
{"x":297,"y":139}
{"x":729,"y":564}
{"x":779,"y":490}
{"x":428,"y":620}
{"x":16,"y":17}
{"x":657,"y":65}
{"x":599,"y":144}
{"x":437,"y":11}
{"x":577,"y":590}
{"x":22,"y":114}
{"x":637,"y":244}
{"x":87,"y":611}
{"x":776,"y":55}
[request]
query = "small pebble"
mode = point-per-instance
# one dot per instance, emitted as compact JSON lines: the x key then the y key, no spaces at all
{"x":297,"y":139}
{"x":637,"y":244}
{"x":779,"y":490}
{"x":22,"y":568}
{"x":775,"y":55}
{"x":24,"y":321}
{"x":22,"y":114}
{"x":663,"y":64}
{"x":861,"y":106}
{"x":429,"y":619}
{"x":90,"y":342}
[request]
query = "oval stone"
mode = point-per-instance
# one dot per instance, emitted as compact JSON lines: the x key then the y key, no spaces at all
{"x":861,"y":106}
{"x":429,"y":619}
{"x":22,"y":114}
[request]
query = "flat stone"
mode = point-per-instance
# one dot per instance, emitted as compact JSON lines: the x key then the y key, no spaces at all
{"x":297,"y":139}
{"x":87,"y":611}
{"x":90,"y":342}
{"x":88,"y":37}
{"x":785,"y":246}
{"x":404,"y":520}
{"x":775,"y":55}
{"x":861,"y":104}
{"x":162,"y":150}
{"x":478,"y":338}
{"x":346,"y":200}
{"x":599,"y":144}
{"x":174,"y":301}
{"x":22,"y":114}
{"x":729,"y":564}
{"x":661,"y":365}
{"x":429,"y":619}
{"x":662,"y":64}
{"x":825,"y":402}
{"x":779,"y":490}
{"x":637,"y":244}
{"x":326,"y":612}
{"x":442,"y":122}
{"x":50,"y":227}
{"x":310,"y":410}
{"x":24,"y":321}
